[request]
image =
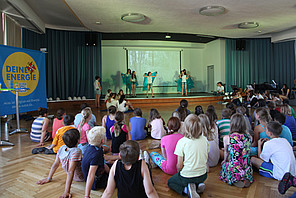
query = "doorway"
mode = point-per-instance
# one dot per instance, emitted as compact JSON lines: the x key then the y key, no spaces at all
{"x":210,"y":79}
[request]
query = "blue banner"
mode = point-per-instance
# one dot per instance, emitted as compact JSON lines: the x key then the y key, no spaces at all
{"x":22,"y":68}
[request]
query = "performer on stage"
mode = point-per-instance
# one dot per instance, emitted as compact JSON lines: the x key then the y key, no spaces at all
{"x":148,"y":82}
{"x":98,"y":89}
{"x":134,"y":83}
{"x":126,"y":78}
{"x":184,"y":83}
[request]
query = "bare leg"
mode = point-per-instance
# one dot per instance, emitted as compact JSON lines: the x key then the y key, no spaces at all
{"x":151,"y":90}
{"x":147,"y":90}
{"x":99,"y":105}
{"x":96,"y":101}
{"x":257,"y":162}
{"x":182,"y":89}
{"x":186,"y":89}
{"x":129,"y":104}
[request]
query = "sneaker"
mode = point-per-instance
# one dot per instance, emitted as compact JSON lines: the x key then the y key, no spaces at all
{"x":141,"y":156}
{"x":38,"y":150}
{"x":192,"y":191}
{"x":285,"y":183}
{"x":201,"y":188}
{"x":239,"y":184}
{"x":147,"y":159}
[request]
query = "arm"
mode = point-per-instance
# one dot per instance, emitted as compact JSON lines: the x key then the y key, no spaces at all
{"x":256,"y":136}
{"x":288,"y":91}
{"x":104,"y":119}
{"x":54,"y":167}
{"x":90,"y":179}
{"x":43,"y":132}
{"x":149,"y":188}
{"x":128,"y":134}
{"x":225,"y":143}
{"x":163,"y":153}
{"x":111,"y":183}
{"x":180,"y":163}
{"x":69,"y":180}
{"x":99,"y":84}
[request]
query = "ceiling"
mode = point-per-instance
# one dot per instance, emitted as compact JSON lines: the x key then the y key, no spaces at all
{"x":165,"y":16}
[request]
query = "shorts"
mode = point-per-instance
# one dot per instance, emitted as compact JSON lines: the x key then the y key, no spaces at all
{"x":266,"y":170}
{"x":133,"y":83}
{"x":98,"y":92}
{"x":184,"y":83}
{"x":149,"y":84}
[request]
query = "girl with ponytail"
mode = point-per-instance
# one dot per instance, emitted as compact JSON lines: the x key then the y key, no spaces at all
{"x":83,"y":128}
{"x":119,"y":132}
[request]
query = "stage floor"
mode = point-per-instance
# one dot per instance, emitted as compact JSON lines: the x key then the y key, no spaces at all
{"x":171,"y":95}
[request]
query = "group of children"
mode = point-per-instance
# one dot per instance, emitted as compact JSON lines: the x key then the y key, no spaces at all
{"x":190,"y":144}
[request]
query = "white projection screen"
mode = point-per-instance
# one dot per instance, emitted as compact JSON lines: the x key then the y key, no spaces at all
{"x":165,"y":62}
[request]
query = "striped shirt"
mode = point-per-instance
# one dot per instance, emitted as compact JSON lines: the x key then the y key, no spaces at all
{"x":68,"y":155}
{"x":224,"y":128}
{"x":36,"y":129}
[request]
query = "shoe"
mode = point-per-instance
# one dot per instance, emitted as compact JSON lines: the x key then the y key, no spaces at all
{"x":147,"y":159}
{"x":239,"y":184}
{"x":38,"y":150}
{"x":285,"y":183}
{"x":192,"y":191}
{"x":201,"y":188}
{"x":141,"y":156}
{"x":152,"y":96}
{"x":247,"y":183}
{"x":146,"y":96}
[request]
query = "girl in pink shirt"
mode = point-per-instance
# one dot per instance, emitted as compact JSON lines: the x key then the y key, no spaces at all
{"x":83,"y":128}
{"x":168,"y":160}
{"x":58,"y":121}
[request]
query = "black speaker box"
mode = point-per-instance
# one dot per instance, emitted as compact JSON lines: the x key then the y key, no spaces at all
{"x":240,"y":44}
{"x":91,"y":39}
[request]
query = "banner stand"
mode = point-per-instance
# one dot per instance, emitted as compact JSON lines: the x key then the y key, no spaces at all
{"x":6,"y":141}
{"x":18,"y":129}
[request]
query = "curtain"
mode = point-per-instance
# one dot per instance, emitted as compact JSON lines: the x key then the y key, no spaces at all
{"x":261,"y":61}
{"x":71,"y":65}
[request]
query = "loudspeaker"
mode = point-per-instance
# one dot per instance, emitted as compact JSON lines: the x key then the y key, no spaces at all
{"x":91,"y":39}
{"x":240,"y":44}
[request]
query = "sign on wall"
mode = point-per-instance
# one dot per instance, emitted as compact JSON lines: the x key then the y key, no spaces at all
{"x":22,"y":68}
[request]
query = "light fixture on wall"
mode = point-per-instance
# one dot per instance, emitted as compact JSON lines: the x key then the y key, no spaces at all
{"x":212,"y":10}
{"x":133,"y":17}
{"x":248,"y":25}
{"x":168,"y":36}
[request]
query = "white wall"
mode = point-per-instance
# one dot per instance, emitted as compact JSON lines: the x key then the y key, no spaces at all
{"x":194,"y":58}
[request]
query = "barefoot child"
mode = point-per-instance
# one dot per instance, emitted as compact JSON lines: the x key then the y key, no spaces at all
{"x":69,"y":156}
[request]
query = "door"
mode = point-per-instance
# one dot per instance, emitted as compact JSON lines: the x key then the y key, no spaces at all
{"x":210,"y":81}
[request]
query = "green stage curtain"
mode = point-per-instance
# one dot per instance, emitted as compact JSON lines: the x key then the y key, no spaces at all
{"x":261,"y":61}
{"x":71,"y":65}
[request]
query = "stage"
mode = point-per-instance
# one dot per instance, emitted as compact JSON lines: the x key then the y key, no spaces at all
{"x":141,"y":100}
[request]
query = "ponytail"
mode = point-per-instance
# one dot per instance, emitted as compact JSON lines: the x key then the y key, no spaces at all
{"x":86,"y":112}
{"x":119,"y":116}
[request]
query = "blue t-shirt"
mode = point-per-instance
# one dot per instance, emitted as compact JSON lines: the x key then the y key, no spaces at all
{"x":291,"y":124}
{"x":93,"y":156}
{"x":286,"y":133}
{"x":137,"y":128}
{"x":91,"y":122}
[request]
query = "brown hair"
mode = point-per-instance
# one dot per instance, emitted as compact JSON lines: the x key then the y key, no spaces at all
{"x":192,"y":127}
{"x":238,"y":124}
{"x":286,"y":110}
{"x":174,"y":124}
{"x":226,"y":113}
{"x":212,"y":116}
{"x":205,"y":127}
{"x":119,"y":116}
{"x":129,"y":152}
{"x":71,"y":138}
{"x":263,"y":115}
{"x":275,"y":128}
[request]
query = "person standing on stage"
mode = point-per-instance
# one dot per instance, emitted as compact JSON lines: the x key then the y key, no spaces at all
{"x":98,"y":89}
{"x":127,"y":79}
{"x":184,"y":82}
{"x":148,"y":79}
{"x":134,"y":83}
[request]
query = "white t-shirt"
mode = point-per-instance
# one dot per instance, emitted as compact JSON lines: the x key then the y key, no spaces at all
{"x":184,"y":79}
{"x":280,"y":153}
{"x":214,"y":153}
{"x":195,"y":153}
{"x":220,"y":89}
{"x":149,"y":80}
{"x":122,"y":107}
{"x":96,"y":85}
{"x":157,"y":129}
{"x":112,"y":103}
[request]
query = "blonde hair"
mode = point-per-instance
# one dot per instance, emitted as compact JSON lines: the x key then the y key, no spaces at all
{"x":96,"y":135}
{"x":206,"y":127}
{"x":238,"y":124}
{"x":263,"y":115}
{"x":86,"y":112}
{"x":192,"y":127}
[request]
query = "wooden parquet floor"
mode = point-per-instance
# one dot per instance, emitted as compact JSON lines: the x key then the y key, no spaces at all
{"x":19,"y":169}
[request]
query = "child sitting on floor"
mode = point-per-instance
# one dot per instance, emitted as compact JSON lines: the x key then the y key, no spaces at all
{"x":69,"y":156}
{"x":224,"y":125}
{"x":83,"y":128}
{"x":277,"y":156}
{"x":39,"y":131}
{"x":237,"y":170}
{"x":156,"y":124}
{"x":192,"y":151}
{"x":94,"y":169}
{"x":119,"y":132}
{"x":109,"y":120}
{"x":58,"y":140}
{"x":137,"y":126}
{"x":58,"y":121}
{"x":130,"y":169}
{"x":168,"y":160}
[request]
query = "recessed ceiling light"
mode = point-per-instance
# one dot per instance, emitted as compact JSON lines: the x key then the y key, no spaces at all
{"x":212,"y":10}
{"x":133,"y":17}
{"x":167,"y":36}
{"x":98,"y":22}
{"x":248,"y":25}
{"x":259,"y":31}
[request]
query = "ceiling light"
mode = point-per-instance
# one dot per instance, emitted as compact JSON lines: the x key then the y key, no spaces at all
{"x":212,"y":10}
{"x":98,"y":22}
{"x":248,"y":25}
{"x":133,"y":17}
{"x":167,"y":36}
